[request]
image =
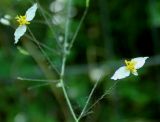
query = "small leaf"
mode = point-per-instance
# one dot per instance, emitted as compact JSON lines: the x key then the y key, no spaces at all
{"x":22,"y":51}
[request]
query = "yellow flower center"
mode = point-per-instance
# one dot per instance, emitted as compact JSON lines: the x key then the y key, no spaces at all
{"x":130,"y":65}
{"x":22,"y":20}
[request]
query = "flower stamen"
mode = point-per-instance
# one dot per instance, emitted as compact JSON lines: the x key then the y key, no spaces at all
{"x":130,"y":65}
{"x":22,"y":20}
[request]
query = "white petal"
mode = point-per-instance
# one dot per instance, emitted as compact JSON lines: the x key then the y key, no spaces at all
{"x":122,"y":72}
{"x":30,"y":13}
{"x":19,"y":32}
{"x":140,"y":61}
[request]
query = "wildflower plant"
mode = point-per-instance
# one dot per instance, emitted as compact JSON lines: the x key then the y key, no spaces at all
{"x":23,"y":21}
{"x":123,"y":72}
{"x":131,"y":67}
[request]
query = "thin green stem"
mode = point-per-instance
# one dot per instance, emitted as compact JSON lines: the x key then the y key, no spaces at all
{"x":77,"y":30}
{"x":68,"y":101}
{"x":64,"y":58}
{"x":89,"y":98}
{"x":69,"y":48}
{"x":37,"y":86}
{"x":64,"y":90}
{"x":106,"y":92}
{"x":37,"y":80}
{"x":67,"y":26}
{"x":48,"y":23}
{"x":43,"y":45}
{"x":43,"y":52}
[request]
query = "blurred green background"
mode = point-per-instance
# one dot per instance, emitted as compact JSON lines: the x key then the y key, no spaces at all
{"x":112,"y":31}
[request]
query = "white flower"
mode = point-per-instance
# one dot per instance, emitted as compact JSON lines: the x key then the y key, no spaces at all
{"x":23,"y":22}
{"x":4,"y":21}
{"x":131,"y":67}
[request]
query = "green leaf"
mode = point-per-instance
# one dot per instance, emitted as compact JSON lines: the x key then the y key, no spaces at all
{"x":22,"y":51}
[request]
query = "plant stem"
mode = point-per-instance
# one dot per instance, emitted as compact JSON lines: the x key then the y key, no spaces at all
{"x":103,"y":95}
{"x":77,"y":30}
{"x":48,"y":23}
{"x":64,"y":58}
{"x":42,"y":50}
{"x":64,"y":90}
{"x":90,"y":95}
